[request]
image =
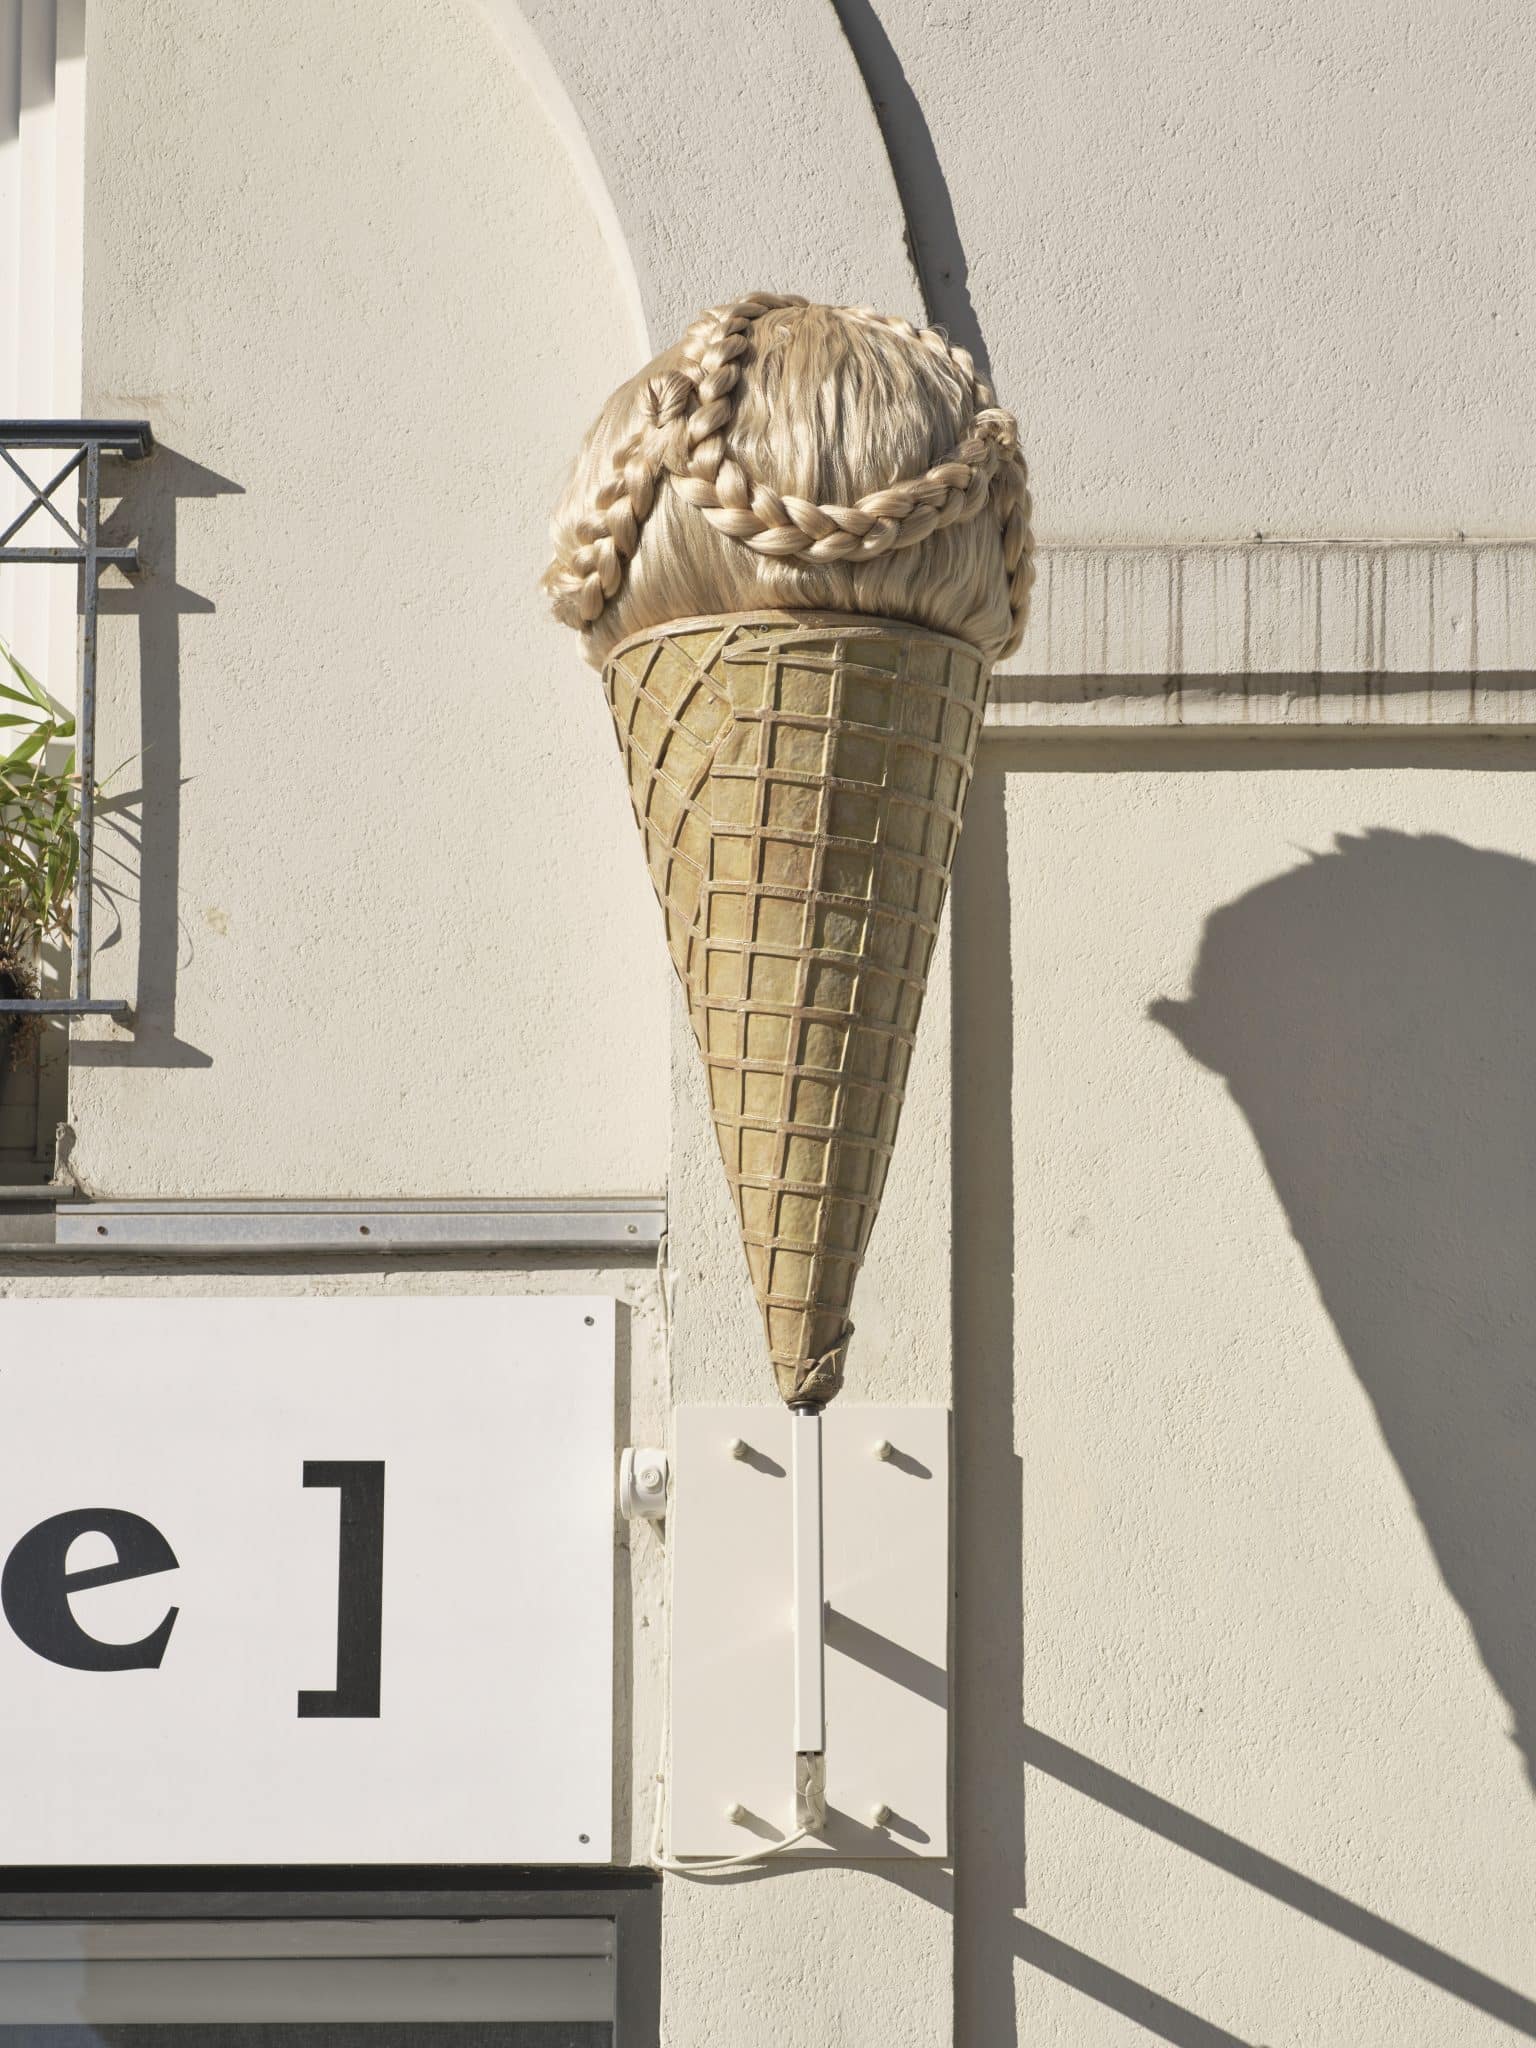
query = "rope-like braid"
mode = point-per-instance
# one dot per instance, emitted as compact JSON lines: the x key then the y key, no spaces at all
{"x":681,"y":440}
{"x":1010,"y":502}
{"x":1010,"y":485}
{"x":700,"y":393}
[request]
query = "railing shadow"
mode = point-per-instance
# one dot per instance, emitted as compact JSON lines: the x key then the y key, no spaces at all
{"x":139,"y":850}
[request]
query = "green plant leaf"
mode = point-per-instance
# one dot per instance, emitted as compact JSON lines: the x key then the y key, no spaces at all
{"x":29,"y":750}
{"x":39,"y":811}
{"x":28,"y":681}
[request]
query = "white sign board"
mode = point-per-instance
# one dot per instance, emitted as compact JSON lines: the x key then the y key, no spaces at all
{"x":306,"y":1580}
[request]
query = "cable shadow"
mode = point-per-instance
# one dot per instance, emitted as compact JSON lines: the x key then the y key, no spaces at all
{"x":1302,"y":1894}
{"x":1159,"y":2016}
{"x":141,"y":831}
{"x":933,"y":234}
{"x":1373,"y":1013}
{"x":850,"y":1638}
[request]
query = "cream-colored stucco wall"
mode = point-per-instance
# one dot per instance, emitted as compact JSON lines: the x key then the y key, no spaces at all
{"x":1262,"y":268}
{"x":42,"y":144}
{"x":1245,"y":1405}
{"x":386,"y":933}
{"x":1211,"y":1211}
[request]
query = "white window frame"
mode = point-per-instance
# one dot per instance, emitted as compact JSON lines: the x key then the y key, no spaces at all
{"x":274,"y":1955}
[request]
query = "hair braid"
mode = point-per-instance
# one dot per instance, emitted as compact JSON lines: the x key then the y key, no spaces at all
{"x":680,"y":442}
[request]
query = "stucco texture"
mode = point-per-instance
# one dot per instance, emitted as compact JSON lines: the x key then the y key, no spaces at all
{"x":1244,"y":1399}
{"x":1211,"y":1208}
{"x":1261,"y":268}
{"x":387,"y":930}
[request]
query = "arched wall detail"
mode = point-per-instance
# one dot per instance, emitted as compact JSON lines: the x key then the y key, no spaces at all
{"x":532,"y":60}
{"x":746,"y":156}
{"x":732,"y":156}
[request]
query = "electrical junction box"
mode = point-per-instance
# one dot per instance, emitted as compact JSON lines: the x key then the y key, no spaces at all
{"x":885,"y":1505}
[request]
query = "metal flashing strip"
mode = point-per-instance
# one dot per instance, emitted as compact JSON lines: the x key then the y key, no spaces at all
{"x":63,"y":1006}
{"x":616,"y":1224}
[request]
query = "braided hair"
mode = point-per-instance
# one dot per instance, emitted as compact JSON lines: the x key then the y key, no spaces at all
{"x":744,"y":468}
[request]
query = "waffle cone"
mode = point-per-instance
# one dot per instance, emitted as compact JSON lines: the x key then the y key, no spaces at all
{"x":799,"y":779}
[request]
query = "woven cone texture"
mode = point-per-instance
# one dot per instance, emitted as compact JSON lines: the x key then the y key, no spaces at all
{"x":799,"y":781}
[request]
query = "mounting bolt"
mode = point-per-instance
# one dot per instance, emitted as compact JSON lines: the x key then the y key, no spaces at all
{"x":643,"y":1485}
{"x":735,"y":1813}
{"x":737,"y":1447}
{"x":884,"y":1449}
{"x":880,"y":1816}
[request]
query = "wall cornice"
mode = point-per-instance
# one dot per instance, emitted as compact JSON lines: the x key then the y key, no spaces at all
{"x":1380,"y":634}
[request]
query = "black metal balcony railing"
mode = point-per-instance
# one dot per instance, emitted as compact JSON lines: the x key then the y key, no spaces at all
{"x":84,"y":442}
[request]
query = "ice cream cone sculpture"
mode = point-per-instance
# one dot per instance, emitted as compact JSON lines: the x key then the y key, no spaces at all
{"x":795,"y":544}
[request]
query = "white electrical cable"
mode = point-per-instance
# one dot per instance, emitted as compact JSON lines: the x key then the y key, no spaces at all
{"x":666,"y":1283}
{"x":703,"y":1866}
{"x":710,"y":1866}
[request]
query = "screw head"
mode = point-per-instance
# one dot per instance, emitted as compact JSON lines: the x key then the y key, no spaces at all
{"x":880,"y":1816}
{"x":736,"y":1813}
{"x":737,"y":1447}
{"x":884,"y":1449}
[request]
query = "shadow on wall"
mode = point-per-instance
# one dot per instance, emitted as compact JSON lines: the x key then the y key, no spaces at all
{"x":933,"y":234}
{"x":139,"y":830}
{"x":1374,"y":1015}
{"x":988,"y":1712}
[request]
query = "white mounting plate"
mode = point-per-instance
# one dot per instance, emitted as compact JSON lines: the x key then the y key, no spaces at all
{"x":887,"y":1591}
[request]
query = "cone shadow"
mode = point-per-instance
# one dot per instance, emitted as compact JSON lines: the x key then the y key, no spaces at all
{"x":1373,"y":1013}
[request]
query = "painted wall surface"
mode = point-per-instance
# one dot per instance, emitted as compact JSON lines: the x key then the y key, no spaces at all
{"x":1211,"y":1212}
{"x":42,"y":146}
{"x":1245,"y":1405}
{"x":1242,"y":269}
{"x":387,"y":931}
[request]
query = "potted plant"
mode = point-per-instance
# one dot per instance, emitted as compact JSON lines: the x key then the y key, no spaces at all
{"x":39,"y":841}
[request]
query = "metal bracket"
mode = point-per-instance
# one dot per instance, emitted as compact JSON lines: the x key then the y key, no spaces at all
{"x":618,"y":1226}
{"x":735,"y":1783}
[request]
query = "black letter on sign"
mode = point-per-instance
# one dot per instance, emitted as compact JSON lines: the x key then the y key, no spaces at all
{"x":359,"y":1592}
{"x":35,"y":1588}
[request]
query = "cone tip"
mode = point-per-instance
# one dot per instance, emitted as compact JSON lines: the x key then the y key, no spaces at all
{"x":812,"y":1382}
